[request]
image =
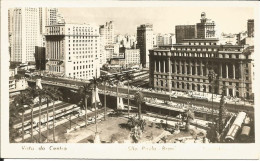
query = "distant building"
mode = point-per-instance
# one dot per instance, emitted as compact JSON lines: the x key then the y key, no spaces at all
{"x":185,"y":32}
{"x":144,"y":42}
{"x":185,"y":67}
{"x":17,"y":84}
{"x":206,"y":28}
{"x":240,"y":36}
{"x":40,"y":58}
{"x":127,"y":58}
{"x":111,"y":51}
{"x":72,"y":50}
{"x":226,"y":39}
{"x":107,"y":32}
{"x":250,"y":28}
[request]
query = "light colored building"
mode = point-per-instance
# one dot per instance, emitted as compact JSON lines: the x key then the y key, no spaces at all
{"x":144,"y":42}
{"x":107,"y":31}
{"x":132,"y":57}
{"x":127,"y":58}
{"x":25,"y":34}
{"x":206,"y":28}
{"x":111,"y":50}
{"x":230,"y":39}
{"x":73,"y":50}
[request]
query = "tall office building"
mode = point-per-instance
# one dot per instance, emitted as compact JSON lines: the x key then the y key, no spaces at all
{"x":25,"y":34}
{"x":145,"y":42}
{"x":47,"y":16}
{"x":185,"y":32}
{"x":206,"y":28}
{"x":106,"y":39}
{"x":73,"y":50}
{"x":250,"y":28}
{"x":107,"y":31}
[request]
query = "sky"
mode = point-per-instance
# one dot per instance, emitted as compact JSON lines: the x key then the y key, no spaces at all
{"x":164,"y":19}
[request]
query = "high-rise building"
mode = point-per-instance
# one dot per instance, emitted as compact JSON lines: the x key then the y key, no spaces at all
{"x":107,"y":31}
{"x":25,"y":34}
{"x":73,"y":50}
{"x":145,"y":42}
{"x":185,"y":32}
{"x":47,"y":17}
{"x":206,"y":28}
{"x":250,"y":28}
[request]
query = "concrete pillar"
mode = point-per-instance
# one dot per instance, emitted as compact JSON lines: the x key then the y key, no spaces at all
{"x":159,"y":65}
{"x":234,"y":92}
{"x":234,"y":71}
{"x":164,"y":66}
{"x":190,"y":68}
{"x":175,"y":67}
{"x":227,"y":70}
{"x":169,"y":65}
{"x":220,"y":70}
{"x":185,"y":67}
{"x":207,"y":69}
{"x":155,"y":66}
{"x":201,"y":68}
{"x":180,"y":66}
{"x":241,"y":70}
{"x":196,"y":72}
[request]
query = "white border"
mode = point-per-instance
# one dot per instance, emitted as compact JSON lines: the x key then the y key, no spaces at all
{"x":121,"y":151}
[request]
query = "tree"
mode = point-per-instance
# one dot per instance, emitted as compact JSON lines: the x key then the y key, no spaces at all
{"x":105,"y":79}
{"x":21,"y":101}
{"x":128,"y":77}
{"x":55,"y":95}
{"x":47,"y":95}
{"x":84,"y":94}
{"x":93,"y":85}
{"x":222,"y":111}
{"x":40,"y":94}
{"x":139,"y":99}
{"x":188,"y":115}
{"x":13,"y":115}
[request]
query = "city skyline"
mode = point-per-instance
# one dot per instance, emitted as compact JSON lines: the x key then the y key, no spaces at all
{"x":161,"y":23}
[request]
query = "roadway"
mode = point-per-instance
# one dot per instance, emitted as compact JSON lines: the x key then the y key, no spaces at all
{"x":162,"y":96}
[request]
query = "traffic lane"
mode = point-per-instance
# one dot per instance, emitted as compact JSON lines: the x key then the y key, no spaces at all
{"x":230,"y":107}
{"x":27,"y":117}
{"x":62,"y":128}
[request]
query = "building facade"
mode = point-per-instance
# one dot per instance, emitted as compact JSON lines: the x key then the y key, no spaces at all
{"x":107,"y":32}
{"x":40,"y":58}
{"x":206,"y":28}
{"x":144,"y":42}
{"x":185,"y":32}
{"x":250,"y":28}
{"x":73,"y":50}
{"x":186,"y":67}
{"x":25,"y":34}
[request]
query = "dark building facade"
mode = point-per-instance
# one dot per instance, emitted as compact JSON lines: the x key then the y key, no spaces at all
{"x":185,"y":67}
{"x":144,"y":42}
{"x":250,"y":28}
{"x":185,"y":32}
{"x":40,"y":56}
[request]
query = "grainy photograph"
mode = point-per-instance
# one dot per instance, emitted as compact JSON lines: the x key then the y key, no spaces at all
{"x":127,"y":80}
{"x":105,"y":75}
